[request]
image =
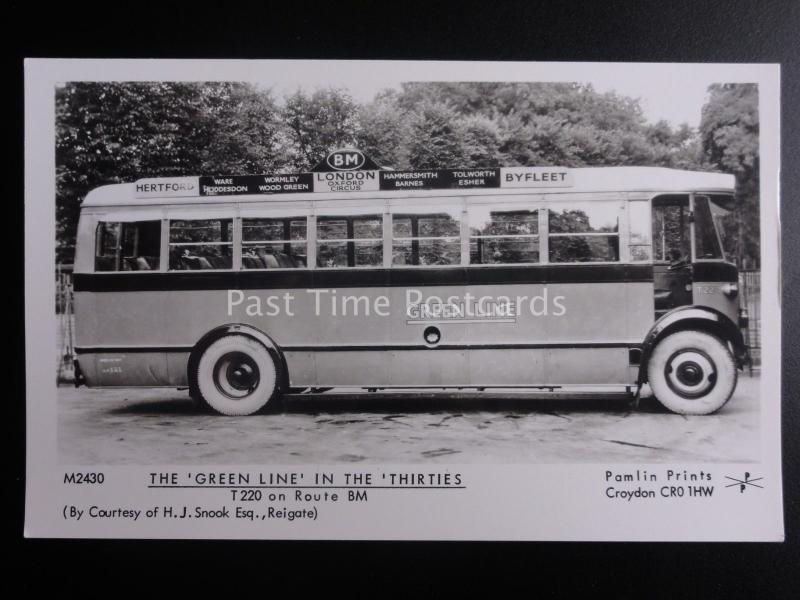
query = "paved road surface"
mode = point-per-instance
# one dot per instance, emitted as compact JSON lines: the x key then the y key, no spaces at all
{"x":136,"y":426}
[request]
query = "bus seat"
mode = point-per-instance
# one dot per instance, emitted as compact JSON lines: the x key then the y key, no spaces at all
{"x":176,"y":261}
{"x":104,"y":263}
{"x":270,"y":261}
{"x":284,"y":261}
{"x":261,"y":255}
{"x":192,"y":262}
{"x":251,"y":262}
{"x":216,"y":262}
{"x":142,"y":264}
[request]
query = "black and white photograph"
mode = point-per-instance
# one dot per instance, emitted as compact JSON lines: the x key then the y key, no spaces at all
{"x":356,"y":267}
{"x":310,"y":255}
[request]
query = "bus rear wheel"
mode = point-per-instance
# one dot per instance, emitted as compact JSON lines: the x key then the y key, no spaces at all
{"x":237,"y":376}
{"x":692,"y":373}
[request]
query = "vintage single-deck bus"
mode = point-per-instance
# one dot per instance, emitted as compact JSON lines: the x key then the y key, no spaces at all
{"x":244,"y":289}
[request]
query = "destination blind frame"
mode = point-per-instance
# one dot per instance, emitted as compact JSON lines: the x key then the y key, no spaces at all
{"x":386,"y":180}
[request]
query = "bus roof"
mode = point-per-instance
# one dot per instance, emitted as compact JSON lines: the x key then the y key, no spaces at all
{"x":186,"y":190}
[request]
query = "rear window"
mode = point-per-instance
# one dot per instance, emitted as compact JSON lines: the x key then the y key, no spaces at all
{"x":126,"y":246}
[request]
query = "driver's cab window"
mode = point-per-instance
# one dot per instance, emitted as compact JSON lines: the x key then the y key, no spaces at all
{"x":707,"y":242}
{"x":671,"y":230}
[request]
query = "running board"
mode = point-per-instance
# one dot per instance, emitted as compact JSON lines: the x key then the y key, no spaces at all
{"x":493,"y":394}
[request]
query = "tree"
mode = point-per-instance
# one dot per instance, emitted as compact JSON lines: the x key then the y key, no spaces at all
{"x":111,"y":132}
{"x":116,"y":132}
{"x":239,"y":130}
{"x":729,"y":131}
{"x":483,"y":139}
{"x":318,"y":123}
{"x":436,"y":137}
{"x":382,"y":131}
{"x":568,"y":124}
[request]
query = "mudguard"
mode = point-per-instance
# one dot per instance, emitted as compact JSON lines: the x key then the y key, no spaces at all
{"x":702,"y":318}
{"x":238,"y":329}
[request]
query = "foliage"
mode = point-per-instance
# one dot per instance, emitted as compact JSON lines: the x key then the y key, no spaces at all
{"x":383,"y":131}
{"x":116,"y":132}
{"x":318,"y":123}
{"x":729,"y":134}
{"x":435,"y":137}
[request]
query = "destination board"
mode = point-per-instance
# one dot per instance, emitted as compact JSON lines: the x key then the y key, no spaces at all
{"x":355,"y":181}
{"x":350,"y":170}
{"x":440,"y":179}
{"x":256,"y":184}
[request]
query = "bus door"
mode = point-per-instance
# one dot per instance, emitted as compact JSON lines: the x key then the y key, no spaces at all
{"x":672,"y":252}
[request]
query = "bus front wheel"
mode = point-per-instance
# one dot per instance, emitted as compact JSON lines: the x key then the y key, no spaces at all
{"x":236,"y":375}
{"x":692,"y":372}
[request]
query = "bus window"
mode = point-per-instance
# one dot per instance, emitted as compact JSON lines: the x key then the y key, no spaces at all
{"x":350,"y":241}
{"x":274,"y":243}
{"x":201,"y":244}
{"x":107,"y":247}
{"x":427,"y":238}
{"x":722,"y":212}
{"x":639,"y":243}
{"x":584,"y":232}
{"x":503,"y":236}
{"x":128,"y":246}
{"x":671,"y":238}
{"x":707,"y":243}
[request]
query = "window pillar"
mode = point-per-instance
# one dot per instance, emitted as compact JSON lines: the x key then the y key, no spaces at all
{"x":414,"y":240}
{"x":624,"y":233}
{"x":387,"y":238}
{"x":237,"y":243}
{"x":163,"y":264}
{"x":544,"y":235}
{"x":465,"y":237}
{"x":311,"y":234}
{"x":351,"y":245}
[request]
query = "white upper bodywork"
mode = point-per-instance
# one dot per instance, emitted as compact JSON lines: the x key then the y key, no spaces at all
{"x":593,"y":179}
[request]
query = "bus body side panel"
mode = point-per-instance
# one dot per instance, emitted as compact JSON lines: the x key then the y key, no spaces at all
{"x":118,"y":355}
{"x":154,"y":331}
{"x":582,"y":333}
{"x":562,"y":333}
{"x":711,"y":278}
{"x":125,"y":369}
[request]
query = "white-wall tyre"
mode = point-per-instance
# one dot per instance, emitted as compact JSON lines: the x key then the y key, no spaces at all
{"x":237,"y":376}
{"x":692,"y":373}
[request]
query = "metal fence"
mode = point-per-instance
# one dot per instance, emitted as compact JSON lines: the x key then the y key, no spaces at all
{"x":66,"y":325}
{"x":750,"y":290}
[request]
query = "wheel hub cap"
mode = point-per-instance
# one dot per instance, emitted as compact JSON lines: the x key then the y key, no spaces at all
{"x":690,"y":373}
{"x":236,"y":375}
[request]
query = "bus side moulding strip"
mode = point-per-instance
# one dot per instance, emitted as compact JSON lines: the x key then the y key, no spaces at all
{"x":361,"y":277}
{"x":368,"y":347}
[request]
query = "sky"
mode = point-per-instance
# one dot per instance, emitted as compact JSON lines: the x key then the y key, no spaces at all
{"x":659,"y":98}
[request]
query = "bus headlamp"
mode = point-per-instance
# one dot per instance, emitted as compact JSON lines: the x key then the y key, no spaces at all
{"x":731,"y":290}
